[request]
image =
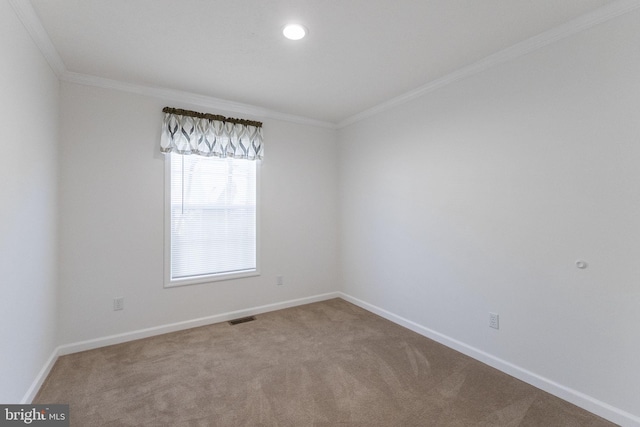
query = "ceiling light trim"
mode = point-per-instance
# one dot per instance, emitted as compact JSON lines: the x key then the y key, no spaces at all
{"x":178,"y":96}
{"x":27,"y":15}
{"x":546,"y":38}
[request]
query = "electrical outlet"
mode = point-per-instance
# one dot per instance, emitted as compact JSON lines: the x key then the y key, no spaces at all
{"x":494,"y":320}
{"x":118,"y":303}
{"x":279,"y":280}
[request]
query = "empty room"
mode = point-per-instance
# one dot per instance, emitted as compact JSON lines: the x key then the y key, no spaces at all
{"x":319,"y":213}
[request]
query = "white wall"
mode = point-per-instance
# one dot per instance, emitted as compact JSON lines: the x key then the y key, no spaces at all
{"x":29,"y":117}
{"x":112,"y":192}
{"x":481,"y":196}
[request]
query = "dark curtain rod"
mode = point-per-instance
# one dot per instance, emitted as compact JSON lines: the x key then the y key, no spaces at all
{"x":211,"y":116}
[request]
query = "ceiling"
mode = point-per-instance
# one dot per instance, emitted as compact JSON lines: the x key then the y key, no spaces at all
{"x":357,"y":55}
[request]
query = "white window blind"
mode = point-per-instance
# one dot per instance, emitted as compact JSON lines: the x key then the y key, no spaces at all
{"x":212,"y":217}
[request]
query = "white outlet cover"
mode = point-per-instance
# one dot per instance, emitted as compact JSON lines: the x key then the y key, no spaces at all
{"x":494,"y":320}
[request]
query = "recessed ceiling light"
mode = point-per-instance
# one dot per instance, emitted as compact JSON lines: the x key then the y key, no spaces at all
{"x":294,"y":31}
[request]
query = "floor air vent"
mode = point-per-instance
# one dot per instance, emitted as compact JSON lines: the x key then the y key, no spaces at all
{"x":241,"y":320}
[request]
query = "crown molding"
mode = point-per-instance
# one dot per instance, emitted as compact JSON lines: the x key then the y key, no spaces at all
{"x":27,"y":15}
{"x":563,"y":31}
{"x":183,"y":97}
{"x":30,"y":20}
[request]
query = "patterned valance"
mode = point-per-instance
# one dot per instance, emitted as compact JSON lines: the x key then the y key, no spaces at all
{"x":190,"y":132}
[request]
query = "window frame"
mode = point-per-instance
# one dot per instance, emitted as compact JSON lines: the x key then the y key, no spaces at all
{"x":208,"y":278}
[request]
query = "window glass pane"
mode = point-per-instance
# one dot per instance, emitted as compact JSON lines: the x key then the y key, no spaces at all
{"x":213,"y":216}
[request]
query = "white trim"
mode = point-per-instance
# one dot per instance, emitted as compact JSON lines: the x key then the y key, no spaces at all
{"x":167,"y":220}
{"x":189,"y":98}
{"x":188,"y":324}
{"x":39,"y":380}
{"x":563,"y":31}
{"x":580,"y":399}
{"x":27,"y":15}
{"x":210,"y":278}
{"x":159,"y":330}
{"x":25,"y":12}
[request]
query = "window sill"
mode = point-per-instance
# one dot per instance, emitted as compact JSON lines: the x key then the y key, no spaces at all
{"x":197,"y":280}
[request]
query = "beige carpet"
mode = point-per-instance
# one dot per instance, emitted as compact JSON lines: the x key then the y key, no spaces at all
{"x":324,"y":364}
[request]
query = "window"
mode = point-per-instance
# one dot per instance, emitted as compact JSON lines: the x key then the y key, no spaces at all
{"x":211,"y":219}
{"x":211,"y":215}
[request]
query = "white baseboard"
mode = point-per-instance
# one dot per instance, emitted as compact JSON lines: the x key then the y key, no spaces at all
{"x":188,"y":324}
{"x":42,"y":375}
{"x":582,"y":400}
{"x":159,"y":330}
